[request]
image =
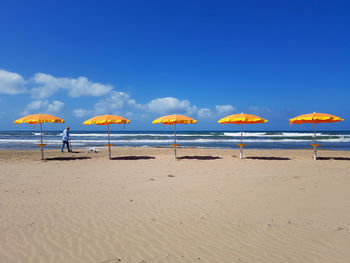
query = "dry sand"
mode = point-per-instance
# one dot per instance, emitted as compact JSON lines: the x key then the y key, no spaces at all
{"x":207,"y":207}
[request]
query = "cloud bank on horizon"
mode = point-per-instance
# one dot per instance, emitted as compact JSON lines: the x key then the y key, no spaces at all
{"x":43,"y":87}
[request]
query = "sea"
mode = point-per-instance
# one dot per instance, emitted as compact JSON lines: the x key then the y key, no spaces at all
{"x":332,"y":140}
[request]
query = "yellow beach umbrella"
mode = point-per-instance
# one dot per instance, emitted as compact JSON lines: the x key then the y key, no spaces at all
{"x":315,"y":118}
{"x":173,"y":120}
{"x":36,"y":119}
{"x":107,"y":120}
{"x":241,"y":119}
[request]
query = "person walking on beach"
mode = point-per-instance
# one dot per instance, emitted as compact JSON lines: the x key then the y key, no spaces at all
{"x":65,"y":139}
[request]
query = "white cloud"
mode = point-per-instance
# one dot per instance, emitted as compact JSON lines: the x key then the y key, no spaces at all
{"x":117,"y":100}
{"x":224,"y":109}
{"x":48,"y":86}
{"x":81,"y":86}
{"x":34,"y":105}
{"x":55,"y":107}
{"x":171,"y":105}
{"x":204,"y":113}
{"x":121,"y":103}
{"x":43,"y":106}
{"x":261,"y":111}
{"x":82,"y":113}
{"x":11,"y":83}
{"x":45,"y":85}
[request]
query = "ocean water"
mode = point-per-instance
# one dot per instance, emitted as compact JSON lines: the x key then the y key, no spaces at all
{"x":333,"y":140}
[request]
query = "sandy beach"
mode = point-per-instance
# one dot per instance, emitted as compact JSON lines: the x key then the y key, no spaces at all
{"x":144,"y":206}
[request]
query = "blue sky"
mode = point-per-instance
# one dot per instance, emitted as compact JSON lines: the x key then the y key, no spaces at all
{"x":145,"y":59}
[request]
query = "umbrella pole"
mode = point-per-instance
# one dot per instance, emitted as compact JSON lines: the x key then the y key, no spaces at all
{"x":315,"y":149}
{"x":314,"y":133}
{"x":241,"y":132}
{"x":41,"y":141}
{"x":241,"y":146}
{"x":175,"y":140}
{"x":109,"y":144}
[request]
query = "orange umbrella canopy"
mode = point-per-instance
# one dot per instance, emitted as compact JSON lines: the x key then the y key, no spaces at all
{"x":315,"y":118}
{"x":106,"y":120}
{"x":242,"y":118}
{"x":174,"y":119}
{"x":38,"y":118}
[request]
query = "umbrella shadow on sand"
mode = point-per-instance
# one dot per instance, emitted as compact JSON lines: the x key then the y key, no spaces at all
{"x":271,"y":158}
{"x":132,"y":157}
{"x":67,"y":158}
{"x":334,"y":158}
{"x":195,"y":157}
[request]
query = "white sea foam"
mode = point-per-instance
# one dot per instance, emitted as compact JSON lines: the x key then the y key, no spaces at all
{"x":295,"y":134}
{"x":263,"y":134}
{"x":214,"y":134}
{"x":282,"y":134}
{"x":138,"y":134}
{"x":202,"y":140}
{"x":235,"y":134}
